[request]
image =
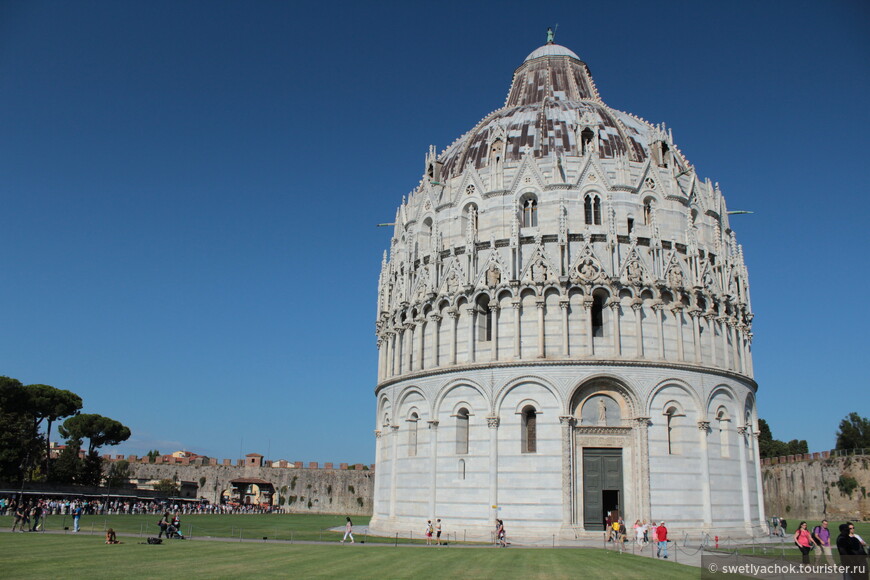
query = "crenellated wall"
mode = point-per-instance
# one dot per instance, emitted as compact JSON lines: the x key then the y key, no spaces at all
{"x":806,"y":487}
{"x":347,"y":490}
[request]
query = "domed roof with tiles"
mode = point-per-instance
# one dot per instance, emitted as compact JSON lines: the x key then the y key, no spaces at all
{"x":552,"y":99}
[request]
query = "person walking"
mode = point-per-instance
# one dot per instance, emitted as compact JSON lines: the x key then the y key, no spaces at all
{"x":662,"y":537}
{"x":77,"y":516}
{"x":163,"y":524}
{"x":429,"y":531}
{"x":804,"y":542}
{"x":348,"y":531}
{"x":822,"y":539}
{"x":19,"y":517}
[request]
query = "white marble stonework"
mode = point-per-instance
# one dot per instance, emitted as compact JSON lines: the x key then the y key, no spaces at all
{"x":564,"y":327}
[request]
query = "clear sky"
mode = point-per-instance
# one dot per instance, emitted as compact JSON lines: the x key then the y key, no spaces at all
{"x":189,"y":192}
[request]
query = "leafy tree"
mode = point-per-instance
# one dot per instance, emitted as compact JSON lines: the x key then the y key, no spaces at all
{"x":20,"y":446}
{"x":118,"y":474}
{"x":68,"y":466}
{"x":49,"y":404}
{"x":854,"y":432}
{"x":770,"y":447}
{"x":98,"y":430}
{"x":152,"y":455}
{"x":167,"y":487}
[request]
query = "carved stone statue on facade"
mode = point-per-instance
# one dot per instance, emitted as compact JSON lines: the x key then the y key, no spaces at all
{"x":493,"y":276}
{"x":602,"y":412}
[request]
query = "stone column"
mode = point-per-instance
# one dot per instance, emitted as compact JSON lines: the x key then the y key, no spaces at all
{"x":436,"y":340}
{"x":617,"y":339}
{"x":644,"y":475}
{"x":454,"y":316}
{"x":749,"y":368}
{"x":539,"y":303}
{"x":471,"y":314}
{"x":723,"y":326}
{"x":409,"y":339}
{"x":658,"y":307}
{"x":421,"y":331}
{"x":759,"y":485}
{"x":741,"y":348}
{"x":516,"y":304}
{"x":492,"y":423}
{"x":587,"y":326}
{"x":711,"y":330}
{"x":378,"y":455}
{"x":744,"y":478}
{"x":735,"y":353}
{"x":400,"y":350}
{"x":568,"y":481}
{"x":703,"y":429}
{"x":433,"y":468}
{"x":694,"y":313}
{"x":382,"y":351}
{"x":637,"y":306}
{"x":677,"y":309}
{"x":496,"y":315}
{"x":394,"y":464}
{"x":563,"y":305}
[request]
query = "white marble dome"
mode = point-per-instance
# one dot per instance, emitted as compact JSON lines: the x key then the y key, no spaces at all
{"x":564,"y":329}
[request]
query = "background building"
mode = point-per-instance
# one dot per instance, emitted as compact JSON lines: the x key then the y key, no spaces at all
{"x":564,"y":328}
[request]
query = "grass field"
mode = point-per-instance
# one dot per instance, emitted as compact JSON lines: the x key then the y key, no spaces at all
{"x":308,"y":527}
{"x":86,"y":556}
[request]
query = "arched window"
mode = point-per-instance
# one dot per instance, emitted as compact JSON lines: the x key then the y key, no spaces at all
{"x":461,"y":470}
{"x":412,"y":434}
{"x":586,"y":140}
{"x":530,"y":429}
{"x":530,"y":213}
{"x":722,"y":419}
{"x":462,"y":431}
{"x":648,"y":206}
{"x":597,"y":315}
{"x":671,"y":423}
{"x":484,"y":318}
{"x":425,"y":237}
{"x":592,"y":209}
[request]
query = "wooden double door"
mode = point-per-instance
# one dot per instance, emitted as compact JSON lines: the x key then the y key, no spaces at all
{"x":602,"y":485}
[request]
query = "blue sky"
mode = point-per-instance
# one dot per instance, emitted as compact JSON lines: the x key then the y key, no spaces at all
{"x":189,"y":192}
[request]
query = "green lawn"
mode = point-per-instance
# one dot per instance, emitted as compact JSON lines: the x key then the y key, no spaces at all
{"x":85,"y":556}
{"x":255,"y":526}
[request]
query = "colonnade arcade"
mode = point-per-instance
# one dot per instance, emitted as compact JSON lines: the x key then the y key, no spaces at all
{"x":550,"y":321}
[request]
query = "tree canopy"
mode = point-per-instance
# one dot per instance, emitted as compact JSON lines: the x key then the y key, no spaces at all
{"x":854,"y":432}
{"x":770,"y":447}
{"x":98,"y":430}
{"x":27,"y":414}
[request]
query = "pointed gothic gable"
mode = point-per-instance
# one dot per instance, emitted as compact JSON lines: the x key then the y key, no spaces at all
{"x":587,"y":268}
{"x":634,"y":271}
{"x":707,"y":279}
{"x":675,"y":273}
{"x":539,"y":267}
{"x":422,"y":285}
{"x":493,"y":272}
{"x":527,"y":174}
{"x":453,"y":278}
{"x":593,"y":174}
{"x":470,"y":179}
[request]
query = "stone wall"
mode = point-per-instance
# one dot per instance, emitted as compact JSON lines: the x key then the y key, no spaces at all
{"x":807,"y":487}
{"x":306,"y":489}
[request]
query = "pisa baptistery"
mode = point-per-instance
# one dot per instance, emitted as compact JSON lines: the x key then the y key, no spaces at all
{"x":564,"y":329}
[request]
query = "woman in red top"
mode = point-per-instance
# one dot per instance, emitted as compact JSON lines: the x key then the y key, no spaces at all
{"x":804,"y":542}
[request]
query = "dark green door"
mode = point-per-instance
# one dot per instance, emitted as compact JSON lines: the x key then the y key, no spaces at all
{"x":602,"y":485}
